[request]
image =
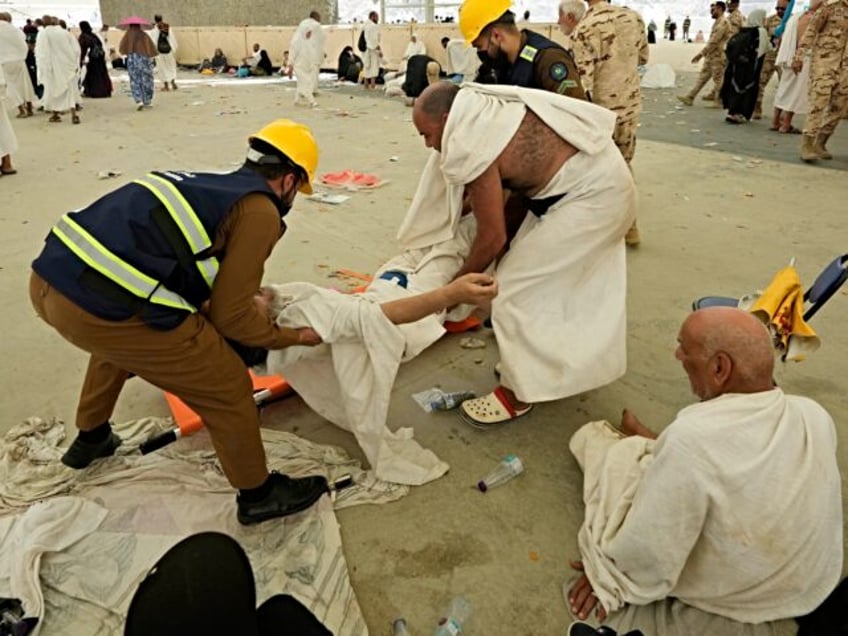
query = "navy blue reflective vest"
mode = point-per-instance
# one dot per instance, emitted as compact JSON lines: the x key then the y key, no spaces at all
{"x":522,"y":73}
{"x":132,"y":224}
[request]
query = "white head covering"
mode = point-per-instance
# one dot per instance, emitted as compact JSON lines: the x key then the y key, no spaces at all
{"x":757,"y":18}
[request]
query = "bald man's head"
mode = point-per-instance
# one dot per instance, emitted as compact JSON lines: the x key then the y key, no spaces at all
{"x":725,"y":350}
{"x":431,"y":112}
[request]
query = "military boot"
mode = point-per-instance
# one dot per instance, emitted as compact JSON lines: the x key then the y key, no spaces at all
{"x":819,"y":148}
{"x":709,"y":97}
{"x":686,"y":99}
{"x":808,"y":150}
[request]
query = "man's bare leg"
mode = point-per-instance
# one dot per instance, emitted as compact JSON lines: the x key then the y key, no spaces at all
{"x":630,"y":425}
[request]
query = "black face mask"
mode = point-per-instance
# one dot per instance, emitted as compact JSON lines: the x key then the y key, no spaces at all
{"x":287,"y":200}
{"x":499,"y":63}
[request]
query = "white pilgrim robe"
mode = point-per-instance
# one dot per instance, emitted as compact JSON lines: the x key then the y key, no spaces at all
{"x":413,"y":48}
{"x":792,"y":91}
{"x":166,"y":63}
{"x":371,"y":56}
{"x":57,"y":54}
{"x":735,"y":511}
{"x":13,"y":52}
{"x":306,"y":55}
{"x":462,"y":59}
{"x":559,"y":317}
{"x":8,"y":140}
{"x":349,"y":378}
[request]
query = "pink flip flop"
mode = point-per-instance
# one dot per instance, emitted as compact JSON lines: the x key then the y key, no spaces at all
{"x":490,"y":410}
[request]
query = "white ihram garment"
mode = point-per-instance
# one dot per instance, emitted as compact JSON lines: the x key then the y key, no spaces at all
{"x":371,"y":55}
{"x":791,"y":94}
{"x":166,"y":63}
{"x":559,"y":316}
{"x":307,"y":55}
{"x":57,"y":54}
{"x":13,"y":52}
{"x":8,"y":140}
{"x":735,"y":510}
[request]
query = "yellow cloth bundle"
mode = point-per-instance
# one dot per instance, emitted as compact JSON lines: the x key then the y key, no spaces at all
{"x":781,"y":308}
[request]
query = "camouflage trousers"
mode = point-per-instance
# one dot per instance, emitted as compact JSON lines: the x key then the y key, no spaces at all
{"x":712,"y":68}
{"x":624,"y":137}
{"x":828,"y":98}
{"x":769,"y":67}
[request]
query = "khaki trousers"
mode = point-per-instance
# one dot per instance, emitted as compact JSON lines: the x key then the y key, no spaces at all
{"x":192,"y":361}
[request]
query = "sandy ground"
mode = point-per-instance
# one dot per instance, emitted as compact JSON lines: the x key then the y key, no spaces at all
{"x":715,"y":219}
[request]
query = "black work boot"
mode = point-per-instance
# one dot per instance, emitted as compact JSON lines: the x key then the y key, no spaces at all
{"x":286,"y":496}
{"x":82,"y":453}
{"x":579,"y":628}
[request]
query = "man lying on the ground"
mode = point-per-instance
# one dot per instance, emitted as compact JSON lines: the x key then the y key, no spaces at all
{"x":349,"y":379}
{"x":559,"y":318}
{"x":727,"y":522}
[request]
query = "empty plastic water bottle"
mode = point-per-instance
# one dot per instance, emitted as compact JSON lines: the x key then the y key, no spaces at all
{"x":448,"y":401}
{"x":509,"y":467}
{"x":456,"y":620}
{"x":399,"y":627}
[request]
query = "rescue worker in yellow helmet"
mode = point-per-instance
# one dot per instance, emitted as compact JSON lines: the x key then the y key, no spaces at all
{"x":518,"y":57}
{"x":157,"y":279}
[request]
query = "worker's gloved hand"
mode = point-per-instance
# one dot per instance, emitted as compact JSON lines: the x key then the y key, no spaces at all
{"x":308,"y":337}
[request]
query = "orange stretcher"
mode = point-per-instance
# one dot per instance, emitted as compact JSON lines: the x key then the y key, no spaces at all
{"x":266,"y":388}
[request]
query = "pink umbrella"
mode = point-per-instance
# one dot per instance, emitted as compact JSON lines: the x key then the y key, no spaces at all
{"x":134,"y":19}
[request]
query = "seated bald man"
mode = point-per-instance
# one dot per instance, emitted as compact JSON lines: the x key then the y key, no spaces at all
{"x":728,"y":522}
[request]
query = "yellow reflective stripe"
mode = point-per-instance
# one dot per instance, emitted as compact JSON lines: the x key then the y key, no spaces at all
{"x":529,"y":53}
{"x":209,"y":269}
{"x":180,"y":211}
{"x":94,"y":254}
{"x":184,"y":216}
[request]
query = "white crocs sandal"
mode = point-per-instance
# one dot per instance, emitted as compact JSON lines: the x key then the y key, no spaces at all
{"x":491,"y":409}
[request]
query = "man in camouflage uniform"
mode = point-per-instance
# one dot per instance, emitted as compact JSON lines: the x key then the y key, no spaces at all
{"x":825,"y":41}
{"x":713,"y":56}
{"x":609,"y":46}
{"x":769,"y":67}
{"x":735,"y":17}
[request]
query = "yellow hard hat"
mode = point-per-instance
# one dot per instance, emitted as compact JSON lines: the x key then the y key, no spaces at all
{"x":476,"y":15}
{"x":296,"y":142}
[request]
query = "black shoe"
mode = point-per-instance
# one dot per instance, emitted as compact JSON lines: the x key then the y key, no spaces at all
{"x":81,"y":453}
{"x":579,"y":628}
{"x":287,"y":497}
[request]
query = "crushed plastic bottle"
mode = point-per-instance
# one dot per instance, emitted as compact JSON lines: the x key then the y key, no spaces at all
{"x":456,"y":620}
{"x":509,"y":467}
{"x":399,"y":627}
{"x":437,"y":400}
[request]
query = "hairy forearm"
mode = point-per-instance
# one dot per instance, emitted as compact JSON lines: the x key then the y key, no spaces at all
{"x":483,"y":251}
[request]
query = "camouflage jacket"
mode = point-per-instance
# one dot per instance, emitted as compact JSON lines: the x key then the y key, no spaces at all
{"x":609,"y":45}
{"x":718,"y":38}
{"x":826,"y":36}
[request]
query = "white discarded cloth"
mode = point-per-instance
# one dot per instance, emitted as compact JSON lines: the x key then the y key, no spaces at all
{"x":166,"y":63}
{"x":306,"y":55}
{"x":8,"y":139}
{"x":559,"y":316}
{"x":151,"y":503}
{"x":57,"y":54}
{"x":659,"y":76}
{"x":793,"y":88}
{"x":48,"y":526}
{"x":13,"y":52}
{"x":735,"y":510}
